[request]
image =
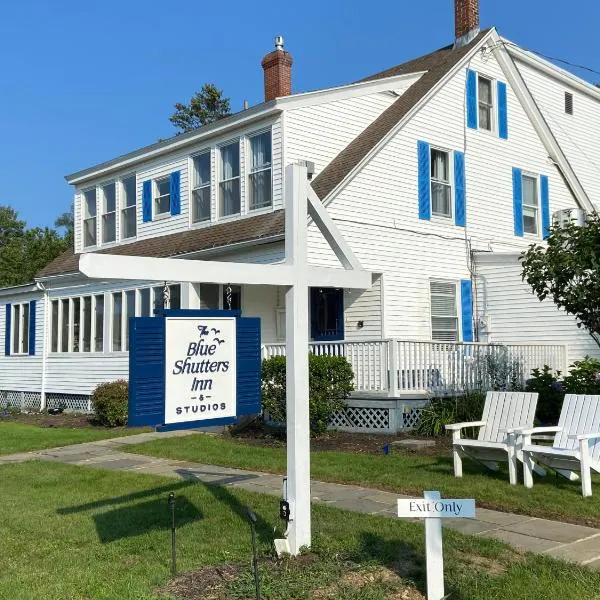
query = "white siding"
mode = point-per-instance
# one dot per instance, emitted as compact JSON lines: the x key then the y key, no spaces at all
{"x":577,"y":134}
{"x":377,"y":211}
{"x":515,"y":315}
{"x":22,"y":373}
{"x":363,"y":306}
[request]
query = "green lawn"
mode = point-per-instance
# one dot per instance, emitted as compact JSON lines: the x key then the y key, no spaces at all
{"x":403,"y":472}
{"x":77,"y":533}
{"x":18,"y":437}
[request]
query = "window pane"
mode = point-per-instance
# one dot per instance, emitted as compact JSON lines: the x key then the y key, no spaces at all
{"x":163,"y":199}
{"x":485,"y":90}
{"x":530,"y":196}
{"x":529,"y":219}
{"x":260,"y":148}
{"x":163,"y":205}
{"x":25,"y":330}
{"x":260,"y":189}
{"x":87,"y":323}
{"x":89,"y":232}
{"x":54,"y":327}
{"x":201,"y":204}
{"x":230,"y":161}
{"x":158,"y":298}
{"x":145,"y":304}
{"x":99,"y":324}
{"x":110,"y":197}
{"x":109,"y":228}
{"x":236,"y":297}
{"x":16,"y":328}
{"x":129,"y":191}
{"x":229,"y":197}
{"x":440,"y":199}
{"x":439,"y":165}
{"x":116,"y":320}
{"x":485,"y":117}
{"x":164,"y":187}
{"x":202,"y":170}
{"x":175,"y":296}
{"x":76,"y":317}
{"x":89,"y":203}
{"x":128,"y":225}
{"x":209,"y":296}
{"x":64,"y":334}
{"x":129,"y":312}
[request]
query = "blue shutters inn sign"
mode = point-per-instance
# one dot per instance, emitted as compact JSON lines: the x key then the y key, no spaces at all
{"x":193,"y":368}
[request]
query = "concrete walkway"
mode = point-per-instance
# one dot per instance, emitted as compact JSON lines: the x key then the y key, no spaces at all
{"x":568,"y":542}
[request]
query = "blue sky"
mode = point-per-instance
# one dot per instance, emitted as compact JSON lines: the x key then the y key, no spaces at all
{"x":85,"y":81}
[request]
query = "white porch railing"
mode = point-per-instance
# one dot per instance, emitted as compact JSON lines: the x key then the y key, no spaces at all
{"x":397,"y":366}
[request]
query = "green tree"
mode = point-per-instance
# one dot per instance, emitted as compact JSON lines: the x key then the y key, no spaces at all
{"x":206,"y":106}
{"x":66,"y":221}
{"x":10,"y":225}
{"x":567,"y":270}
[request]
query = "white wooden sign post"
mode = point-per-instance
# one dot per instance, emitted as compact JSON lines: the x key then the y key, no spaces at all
{"x":433,"y":509}
{"x":296,"y":275}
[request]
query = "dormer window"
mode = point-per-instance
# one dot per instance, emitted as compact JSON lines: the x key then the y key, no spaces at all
{"x":201,"y":190}
{"x":229,"y":179}
{"x":486,"y":103}
{"x":128,"y":216}
{"x":89,"y":217}
{"x":162,"y":200}
{"x":259,"y":184}
{"x":109,"y":212}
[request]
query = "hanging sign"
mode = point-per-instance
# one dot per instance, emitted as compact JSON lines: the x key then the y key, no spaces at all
{"x":192,"y":368}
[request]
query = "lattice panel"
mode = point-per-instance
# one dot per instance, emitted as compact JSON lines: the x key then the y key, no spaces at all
{"x":411,"y":418}
{"x":75,"y":402}
{"x":20,"y":400}
{"x":362,"y":418}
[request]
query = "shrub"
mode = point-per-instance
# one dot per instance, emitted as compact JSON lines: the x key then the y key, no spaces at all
{"x":330,"y":383}
{"x":109,"y":401}
{"x":444,"y":411}
{"x":583,"y":377}
{"x":551,"y":393}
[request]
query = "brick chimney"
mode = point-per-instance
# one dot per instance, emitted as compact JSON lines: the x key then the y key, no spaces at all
{"x":277,"y":66}
{"x":466,"y":21}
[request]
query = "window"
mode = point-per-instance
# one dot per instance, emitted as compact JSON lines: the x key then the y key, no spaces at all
{"x":117,"y":314}
{"x":54,"y":327}
{"x":530,"y":204}
{"x":109,"y":213}
{"x":145,"y":302}
{"x":128,"y":216}
{"x":209,"y":296}
{"x":229,"y":182}
{"x":486,"y":103}
{"x":89,"y":218}
{"x":201,"y":190}
{"x":20,"y":330}
{"x":99,"y":323}
{"x":162,"y":201}
{"x":259,"y":184}
{"x":129,"y":312}
{"x":174,"y":297}
{"x":86,"y":340}
{"x":76,"y":325}
{"x":65,"y":324}
{"x":236,"y":298}
{"x":569,"y":103}
{"x":444,"y":316}
{"x":441,"y":189}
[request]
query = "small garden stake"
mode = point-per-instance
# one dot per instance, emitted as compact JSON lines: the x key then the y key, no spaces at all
{"x":173,"y":549}
{"x":252,"y":521}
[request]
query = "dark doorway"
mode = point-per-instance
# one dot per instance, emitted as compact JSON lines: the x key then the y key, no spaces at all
{"x":327,"y":314}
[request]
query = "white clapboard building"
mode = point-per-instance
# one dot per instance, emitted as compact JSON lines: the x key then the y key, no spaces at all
{"x":438,"y":172}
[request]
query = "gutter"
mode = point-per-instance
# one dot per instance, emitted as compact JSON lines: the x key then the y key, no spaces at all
{"x":42,"y":288}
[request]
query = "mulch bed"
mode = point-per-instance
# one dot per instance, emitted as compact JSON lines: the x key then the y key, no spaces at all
{"x":43,"y":419}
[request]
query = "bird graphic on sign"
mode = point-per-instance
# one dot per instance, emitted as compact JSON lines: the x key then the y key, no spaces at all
{"x":215,"y":331}
{"x":218,"y":341}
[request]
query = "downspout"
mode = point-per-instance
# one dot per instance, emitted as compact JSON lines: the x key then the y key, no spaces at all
{"x":43,"y":289}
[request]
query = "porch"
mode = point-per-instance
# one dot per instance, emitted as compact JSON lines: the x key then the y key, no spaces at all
{"x":395,"y":368}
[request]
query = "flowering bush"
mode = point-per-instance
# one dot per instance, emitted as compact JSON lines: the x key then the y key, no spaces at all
{"x":583,"y":378}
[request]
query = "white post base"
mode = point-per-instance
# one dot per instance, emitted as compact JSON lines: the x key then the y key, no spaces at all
{"x":434,"y":554}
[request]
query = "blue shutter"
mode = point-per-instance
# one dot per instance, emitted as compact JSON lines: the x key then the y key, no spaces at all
{"x":147,"y":201}
{"x":545,"y":205}
{"x":502,"y":111}
{"x":146,"y":371}
{"x":424,"y":160}
{"x":32,"y":304}
{"x":518,"y":201}
{"x":460,"y":207}
{"x":7,"y":329}
{"x":471,"y":99}
{"x":175,"y":193}
{"x":248,"y":365}
{"x":466,"y":306}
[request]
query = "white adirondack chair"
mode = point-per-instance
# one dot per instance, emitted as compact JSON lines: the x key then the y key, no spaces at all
{"x":576,"y":445}
{"x":504,"y":413}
